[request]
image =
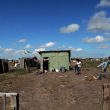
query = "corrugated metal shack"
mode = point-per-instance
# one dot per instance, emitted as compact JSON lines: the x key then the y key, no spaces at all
{"x":31,"y":62}
{"x":55,"y":60}
{"x":4,"y":66}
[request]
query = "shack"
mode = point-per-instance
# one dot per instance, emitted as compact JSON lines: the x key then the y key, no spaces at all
{"x":55,"y":60}
{"x":32,"y":62}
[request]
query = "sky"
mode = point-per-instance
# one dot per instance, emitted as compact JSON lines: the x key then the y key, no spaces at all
{"x":39,"y":25}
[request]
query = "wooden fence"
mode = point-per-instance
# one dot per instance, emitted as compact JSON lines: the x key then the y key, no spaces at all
{"x":14,"y":100}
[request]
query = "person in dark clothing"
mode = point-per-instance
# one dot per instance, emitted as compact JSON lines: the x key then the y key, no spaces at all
{"x":75,"y":68}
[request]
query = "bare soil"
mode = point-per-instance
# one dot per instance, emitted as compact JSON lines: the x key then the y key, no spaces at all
{"x":56,"y":91}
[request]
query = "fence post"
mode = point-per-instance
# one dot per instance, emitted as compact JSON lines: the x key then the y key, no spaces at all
{"x":106,"y":96}
{"x":14,"y":99}
{"x":4,"y":101}
{"x":15,"y":102}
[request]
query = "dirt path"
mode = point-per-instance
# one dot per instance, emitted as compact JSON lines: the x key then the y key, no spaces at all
{"x":56,"y":91}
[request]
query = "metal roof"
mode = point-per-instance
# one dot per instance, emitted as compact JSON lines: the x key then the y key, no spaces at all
{"x":52,"y":51}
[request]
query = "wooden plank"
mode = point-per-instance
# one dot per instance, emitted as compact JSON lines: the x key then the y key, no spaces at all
{"x":15,"y":102}
{"x":7,"y":94}
{"x":14,"y":99}
{"x":106,"y":96}
{"x":4,"y":101}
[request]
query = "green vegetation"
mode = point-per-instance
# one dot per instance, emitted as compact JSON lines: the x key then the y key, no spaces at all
{"x":91,"y":64}
{"x":14,"y":73}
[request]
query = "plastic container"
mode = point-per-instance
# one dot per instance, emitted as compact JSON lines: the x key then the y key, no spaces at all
{"x":63,"y":69}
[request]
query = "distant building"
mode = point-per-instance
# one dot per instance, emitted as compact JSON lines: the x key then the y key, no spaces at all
{"x":55,"y":59}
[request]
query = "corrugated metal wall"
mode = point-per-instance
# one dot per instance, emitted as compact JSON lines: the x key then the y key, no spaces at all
{"x":57,"y":60}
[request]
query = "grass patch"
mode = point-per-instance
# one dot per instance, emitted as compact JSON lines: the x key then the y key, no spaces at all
{"x":15,"y":72}
{"x":91,"y":64}
{"x":3,"y":77}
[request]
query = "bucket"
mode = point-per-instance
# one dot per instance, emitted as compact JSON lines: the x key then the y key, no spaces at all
{"x":63,"y":69}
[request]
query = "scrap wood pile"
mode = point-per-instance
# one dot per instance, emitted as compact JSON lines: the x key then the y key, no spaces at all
{"x":106,"y":96}
{"x":90,"y":78}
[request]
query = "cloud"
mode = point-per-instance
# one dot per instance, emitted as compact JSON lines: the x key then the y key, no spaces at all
{"x":49,"y":44}
{"x":36,"y":52}
{"x":69,"y":29}
{"x":104,"y":3}
{"x":75,"y":49}
{"x":99,"y":22}
{"x":107,"y":34}
{"x":39,"y":49}
{"x":19,"y":52}
{"x":96,"y":39}
{"x":28,"y":46}
{"x":10,"y":53}
{"x":7,"y":53}
{"x":22,"y":40}
{"x":71,"y":48}
{"x":104,"y":46}
{"x":1,"y":49}
{"x":23,"y":53}
{"x":8,"y":50}
{"x":78,"y":49}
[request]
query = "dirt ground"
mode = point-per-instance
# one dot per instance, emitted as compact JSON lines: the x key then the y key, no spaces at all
{"x":56,"y":91}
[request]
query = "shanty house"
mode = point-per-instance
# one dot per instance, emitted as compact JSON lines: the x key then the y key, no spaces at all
{"x":55,"y":59}
{"x":32,"y":62}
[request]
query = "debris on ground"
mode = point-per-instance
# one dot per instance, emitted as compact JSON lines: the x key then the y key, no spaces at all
{"x":90,"y":78}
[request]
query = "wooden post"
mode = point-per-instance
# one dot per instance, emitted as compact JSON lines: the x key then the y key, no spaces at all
{"x":41,"y":64}
{"x":106,"y":96}
{"x":27,"y":65}
{"x":17,"y":101}
{"x":4,"y":101}
{"x":14,"y":100}
{"x":3,"y":65}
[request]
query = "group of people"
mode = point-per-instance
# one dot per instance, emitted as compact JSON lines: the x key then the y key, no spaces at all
{"x":104,"y":65}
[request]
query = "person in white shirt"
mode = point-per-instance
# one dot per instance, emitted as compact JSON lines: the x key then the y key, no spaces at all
{"x":78,"y":66}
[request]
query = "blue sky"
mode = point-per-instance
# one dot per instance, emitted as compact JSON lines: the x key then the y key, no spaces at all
{"x":35,"y":25}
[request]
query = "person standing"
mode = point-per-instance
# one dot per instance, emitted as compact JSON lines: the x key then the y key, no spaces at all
{"x":104,"y":66}
{"x":78,"y":66}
